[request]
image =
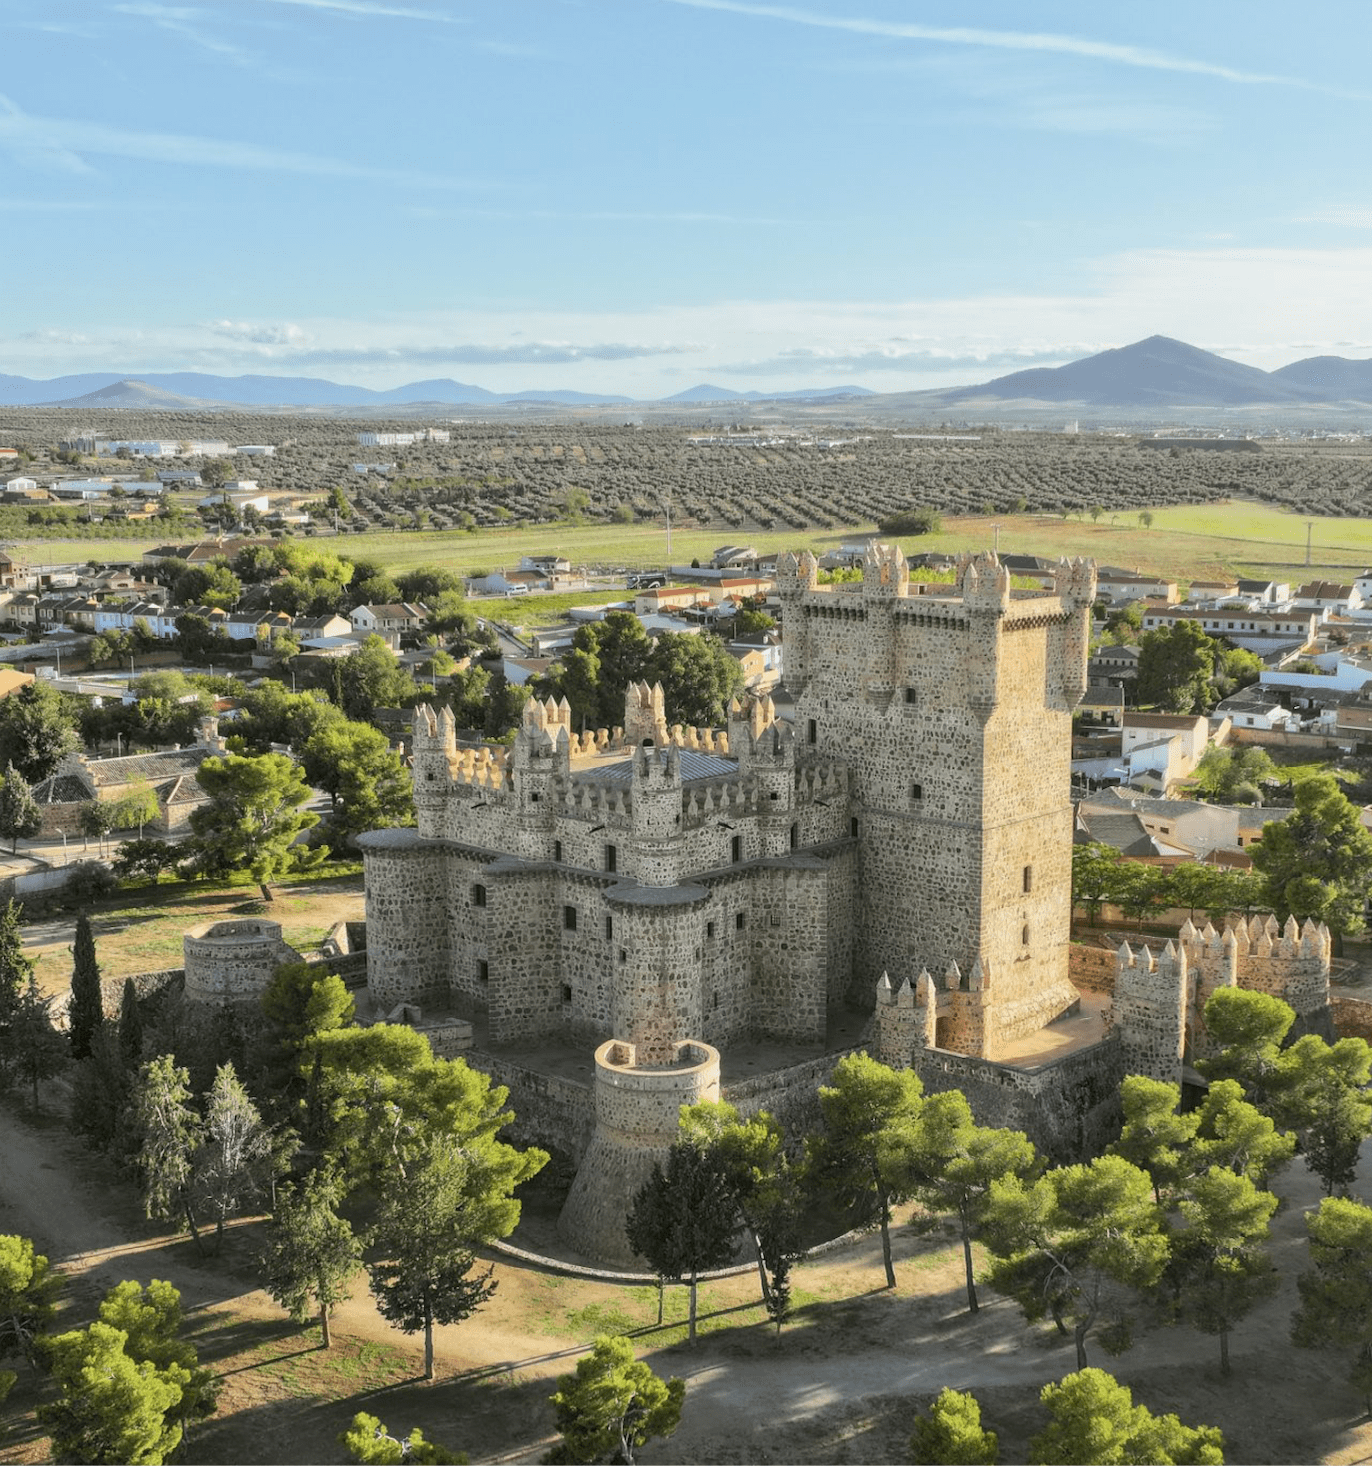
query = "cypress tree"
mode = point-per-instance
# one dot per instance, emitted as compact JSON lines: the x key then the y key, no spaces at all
{"x":15,"y":968}
{"x":87,"y":1005}
{"x":130,"y":1027}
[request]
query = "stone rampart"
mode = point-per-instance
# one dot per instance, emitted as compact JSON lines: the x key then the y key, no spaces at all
{"x":1068,"y":1107}
{"x":1352,"y":1017}
{"x":1091,"y":969}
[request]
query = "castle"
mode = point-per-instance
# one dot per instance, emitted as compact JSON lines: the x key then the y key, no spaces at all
{"x":636,"y":918}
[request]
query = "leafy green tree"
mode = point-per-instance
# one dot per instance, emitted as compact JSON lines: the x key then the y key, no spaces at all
{"x":870,"y":1130}
{"x":207,"y":585}
{"x":1335,"y":1311}
{"x":427,"y":583}
{"x":698,"y":676}
{"x":1077,"y":1243}
{"x":684,"y":1219}
{"x":311,"y":1253}
{"x":1231,"y":775}
{"x":37,"y":730}
{"x":955,"y":1161}
{"x":198,"y":639}
{"x":372,"y":678}
{"x":111,"y":1408}
{"x":595,"y":672}
{"x":1219,"y":1268}
{"x":469,"y":693}
{"x":365,"y":778}
{"x":253,"y":817}
{"x":151,"y":1320}
{"x":1318,"y":861}
{"x":28,"y":1297}
{"x":1096,"y":1423}
{"x":146,"y":859}
{"x":367,"y":1440}
{"x":87,"y":1000}
{"x":445,"y":1200}
{"x":170,"y":1134}
{"x":505,"y":707}
{"x":237,"y":1158}
{"x":1095,"y":870}
{"x":20,"y":816}
{"x":751,"y":1155}
{"x":951,"y":1434}
{"x":613,"y":1404}
{"x":1176,"y":664}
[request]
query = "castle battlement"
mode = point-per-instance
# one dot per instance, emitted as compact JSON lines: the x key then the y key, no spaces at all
{"x":1159,"y":1001}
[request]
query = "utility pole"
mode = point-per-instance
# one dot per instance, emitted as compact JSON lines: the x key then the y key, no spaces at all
{"x":1309,"y":526}
{"x":669,"y":529}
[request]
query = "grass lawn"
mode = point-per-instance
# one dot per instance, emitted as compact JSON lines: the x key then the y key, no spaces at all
{"x":1186,"y":541}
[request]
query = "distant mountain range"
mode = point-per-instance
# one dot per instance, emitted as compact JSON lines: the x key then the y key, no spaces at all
{"x":197,"y":391}
{"x":1158,"y":373}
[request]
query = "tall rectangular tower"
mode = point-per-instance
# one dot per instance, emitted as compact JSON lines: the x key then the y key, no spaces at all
{"x":952,"y":708}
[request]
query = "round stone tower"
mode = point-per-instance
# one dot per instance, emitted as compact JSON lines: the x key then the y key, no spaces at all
{"x":233,"y":961}
{"x":636,"y":1107}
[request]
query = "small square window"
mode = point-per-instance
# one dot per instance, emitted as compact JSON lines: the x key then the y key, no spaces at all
{"x":709,"y":928}
{"x":739,"y":922}
{"x":569,"y":918}
{"x":623,"y":955}
{"x":853,"y":828}
{"x":557,"y":851}
{"x":609,"y":927}
{"x":1028,"y":879}
{"x":911,"y":697}
{"x":916,"y":792}
{"x":478,"y":895}
{"x":611,"y":858}
{"x":736,"y":849}
{"x":812,"y":732}
{"x":483,"y":972}
{"x":566,"y":992}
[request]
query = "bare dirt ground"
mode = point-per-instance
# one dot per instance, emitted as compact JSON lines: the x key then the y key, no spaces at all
{"x":842,"y":1383}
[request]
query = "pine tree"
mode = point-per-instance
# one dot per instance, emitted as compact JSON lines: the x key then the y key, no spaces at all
{"x":87,"y":1001}
{"x":311,"y":1252}
{"x":236,"y":1160}
{"x":951,"y":1434}
{"x":685,"y":1220}
{"x":367,"y":1440}
{"x":1095,"y":1420}
{"x":169,"y":1133}
{"x":36,"y":1050}
{"x":613,"y":1404}
{"x":28,"y":1294}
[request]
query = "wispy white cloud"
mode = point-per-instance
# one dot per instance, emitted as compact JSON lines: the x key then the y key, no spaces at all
{"x":186,"y":22}
{"x":1026,"y":41}
{"x":60,"y":143}
{"x":1265,"y":307}
{"x":369,"y":9}
{"x":1348,"y":216}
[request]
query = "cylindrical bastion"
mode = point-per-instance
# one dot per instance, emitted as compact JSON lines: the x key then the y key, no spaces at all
{"x":233,"y":961}
{"x":636,"y":1124}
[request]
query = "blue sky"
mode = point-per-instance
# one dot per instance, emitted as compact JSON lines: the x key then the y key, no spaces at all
{"x":639,"y":195}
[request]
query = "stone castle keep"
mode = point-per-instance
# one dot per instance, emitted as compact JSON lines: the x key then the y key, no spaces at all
{"x":637,"y":918}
